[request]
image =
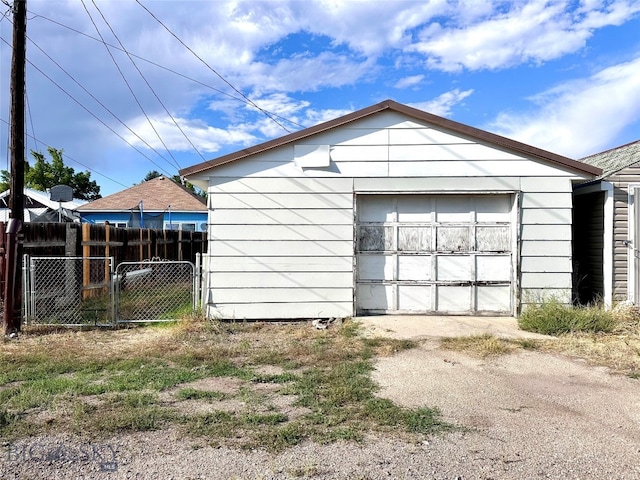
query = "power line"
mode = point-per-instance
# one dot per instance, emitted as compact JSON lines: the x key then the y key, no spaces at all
{"x":129,"y":86}
{"x":151,"y":62}
{"x":94,"y":97}
{"x":148,"y":85}
{"x":91,"y":113}
{"x":212,"y":69}
{"x":73,"y":160}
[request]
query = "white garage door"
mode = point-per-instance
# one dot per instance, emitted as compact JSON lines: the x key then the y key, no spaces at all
{"x":434,"y":254}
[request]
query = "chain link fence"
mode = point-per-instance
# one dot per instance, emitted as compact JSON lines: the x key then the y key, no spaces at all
{"x":71,"y":291}
{"x":83,"y":291}
{"x":154,"y":291}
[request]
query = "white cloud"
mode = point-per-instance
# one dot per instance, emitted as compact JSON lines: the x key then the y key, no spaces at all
{"x":442,"y":104}
{"x":411,"y":81}
{"x":580,"y":117}
{"x":535,"y":31}
{"x":207,"y":139}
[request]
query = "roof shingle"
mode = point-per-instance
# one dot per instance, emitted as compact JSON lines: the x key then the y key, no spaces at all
{"x":613,"y":160}
{"x":157,"y":195}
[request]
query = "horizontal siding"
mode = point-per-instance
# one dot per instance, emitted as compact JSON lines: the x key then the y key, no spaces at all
{"x":291,"y":280}
{"x":281,"y":200}
{"x":546,"y":200}
{"x":546,"y":248}
{"x":281,"y":248}
{"x":281,"y":264}
{"x":546,"y":280}
{"x":280,"y":185}
{"x":437,"y":184}
{"x":281,"y":232}
{"x":275,"y":311}
{"x":283,"y":295}
{"x":546,"y":232}
{"x":284,"y":217}
{"x":546,"y":216}
{"x":546,"y":264}
{"x":457,"y":152}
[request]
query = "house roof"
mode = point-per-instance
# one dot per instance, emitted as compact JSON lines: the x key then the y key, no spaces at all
{"x":613,"y":160}
{"x":390,"y":105}
{"x":38,"y":199}
{"x":156,"y":195}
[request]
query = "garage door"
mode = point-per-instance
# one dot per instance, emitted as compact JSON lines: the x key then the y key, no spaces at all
{"x":434,"y":254}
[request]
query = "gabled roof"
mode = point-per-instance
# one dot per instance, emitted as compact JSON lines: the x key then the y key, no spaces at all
{"x":390,"y":105}
{"x":156,"y":195}
{"x":613,"y":160}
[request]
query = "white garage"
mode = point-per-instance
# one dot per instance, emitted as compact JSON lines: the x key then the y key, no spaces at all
{"x":387,"y":210}
{"x":434,"y":254}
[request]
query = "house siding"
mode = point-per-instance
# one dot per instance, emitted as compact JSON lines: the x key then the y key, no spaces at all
{"x":281,"y":238}
{"x":621,"y":182}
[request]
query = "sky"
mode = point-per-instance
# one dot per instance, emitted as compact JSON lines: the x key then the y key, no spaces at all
{"x":125,"y":87}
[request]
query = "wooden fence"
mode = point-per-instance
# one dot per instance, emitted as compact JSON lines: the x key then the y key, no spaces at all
{"x":87,"y":240}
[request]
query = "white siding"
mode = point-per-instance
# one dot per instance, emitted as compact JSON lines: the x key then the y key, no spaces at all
{"x":282,"y":236}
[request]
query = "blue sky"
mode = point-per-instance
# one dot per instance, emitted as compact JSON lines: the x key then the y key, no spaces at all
{"x":559,"y":75}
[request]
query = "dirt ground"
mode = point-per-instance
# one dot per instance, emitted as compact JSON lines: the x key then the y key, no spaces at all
{"x":522,"y":415}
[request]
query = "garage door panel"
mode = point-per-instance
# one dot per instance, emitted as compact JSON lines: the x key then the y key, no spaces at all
{"x":453,"y":268}
{"x":375,"y":267}
{"x":493,"y":268}
{"x":492,"y":239}
{"x":453,"y":298}
{"x":493,"y":298}
{"x":414,"y":239}
{"x":452,"y":239}
{"x":414,"y":298}
{"x":453,"y":208}
{"x":414,"y":267}
{"x":492,"y":208}
{"x":378,"y":208}
{"x":375,"y":297}
{"x":415,"y":209}
{"x":375,"y":238}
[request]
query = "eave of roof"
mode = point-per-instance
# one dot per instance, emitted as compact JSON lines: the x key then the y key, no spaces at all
{"x":441,"y":122}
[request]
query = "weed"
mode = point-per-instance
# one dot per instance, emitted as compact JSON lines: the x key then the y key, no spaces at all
{"x":551,"y":317}
{"x":193,"y":394}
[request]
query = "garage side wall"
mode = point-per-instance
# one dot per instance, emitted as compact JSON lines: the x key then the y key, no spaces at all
{"x":282,"y":234}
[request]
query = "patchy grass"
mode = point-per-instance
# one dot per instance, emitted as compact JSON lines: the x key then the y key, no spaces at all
{"x":277,"y":384}
{"x":617,"y":349}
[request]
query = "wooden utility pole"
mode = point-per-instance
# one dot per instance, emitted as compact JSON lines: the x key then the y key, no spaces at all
{"x":13,"y":280}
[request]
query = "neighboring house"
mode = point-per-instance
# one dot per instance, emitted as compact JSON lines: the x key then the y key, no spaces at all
{"x":608,"y":215}
{"x":38,"y":207}
{"x":387,"y":210}
{"x":159,"y":203}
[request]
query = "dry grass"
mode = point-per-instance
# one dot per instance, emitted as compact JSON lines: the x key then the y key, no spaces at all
{"x":618,"y":350}
{"x":290,"y":382}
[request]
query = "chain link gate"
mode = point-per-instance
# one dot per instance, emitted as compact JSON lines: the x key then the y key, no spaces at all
{"x":87,"y":291}
{"x":152,"y":291}
{"x":68,"y":291}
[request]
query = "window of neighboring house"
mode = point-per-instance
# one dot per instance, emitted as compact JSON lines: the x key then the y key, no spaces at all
{"x":180,"y":226}
{"x":114,"y":224}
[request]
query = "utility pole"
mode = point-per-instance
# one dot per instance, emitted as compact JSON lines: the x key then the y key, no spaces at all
{"x":12,"y":317}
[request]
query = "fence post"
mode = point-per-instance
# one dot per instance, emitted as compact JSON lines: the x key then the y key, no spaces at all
{"x":86,"y":263}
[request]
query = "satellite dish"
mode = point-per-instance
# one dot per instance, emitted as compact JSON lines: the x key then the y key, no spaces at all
{"x":61,"y":193}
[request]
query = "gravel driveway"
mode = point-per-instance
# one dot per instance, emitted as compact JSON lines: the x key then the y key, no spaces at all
{"x":526,"y":415}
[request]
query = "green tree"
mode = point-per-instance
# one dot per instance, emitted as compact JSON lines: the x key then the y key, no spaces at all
{"x":44,"y":175}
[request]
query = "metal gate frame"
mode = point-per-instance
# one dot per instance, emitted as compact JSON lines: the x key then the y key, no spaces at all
{"x":144,"y":269}
{"x":65,"y":285}
{"x":61,"y":285}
